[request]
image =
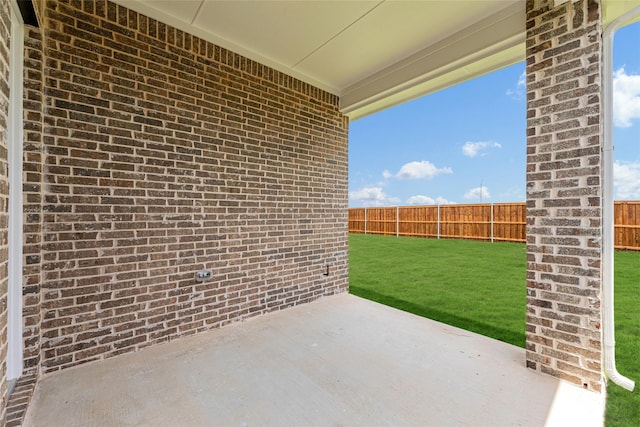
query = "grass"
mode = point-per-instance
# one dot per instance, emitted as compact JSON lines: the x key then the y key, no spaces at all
{"x":468,"y":284}
{"x":623,"y":408}
{"x":480,"y":287}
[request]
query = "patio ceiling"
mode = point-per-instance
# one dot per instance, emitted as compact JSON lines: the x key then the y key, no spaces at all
{"x":373,"y":54}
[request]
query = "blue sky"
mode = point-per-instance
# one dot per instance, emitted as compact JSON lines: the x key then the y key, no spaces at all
{"x":455,"y":147}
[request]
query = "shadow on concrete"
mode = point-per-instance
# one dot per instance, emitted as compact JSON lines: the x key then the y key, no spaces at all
{"x":449,"y":318}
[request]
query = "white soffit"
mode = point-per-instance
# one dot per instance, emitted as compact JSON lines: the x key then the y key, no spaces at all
{"x":285,"y":32}
{"x":390,"y":33}
{"x":612,"y":9}
{"x":487,"y":45}
{"x":373,"y":54}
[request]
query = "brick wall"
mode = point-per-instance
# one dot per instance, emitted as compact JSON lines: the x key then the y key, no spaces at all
{"x":33,"y":164}
{"x":564,"y":190}
{"x":5,"y":30}
{"x":164,"y":155}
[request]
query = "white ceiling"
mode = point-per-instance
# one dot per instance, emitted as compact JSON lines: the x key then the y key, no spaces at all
{"x":373,"y":54}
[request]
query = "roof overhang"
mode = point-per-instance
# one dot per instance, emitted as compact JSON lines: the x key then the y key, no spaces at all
{"x":372,"y":54}
{"x":487,"y":45}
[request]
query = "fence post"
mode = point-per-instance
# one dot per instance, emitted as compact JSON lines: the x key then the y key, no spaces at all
{"x":397,"y":221}
{"x":438,"y":222}
{"x":491,"y":222}
{"x":365,"y":220}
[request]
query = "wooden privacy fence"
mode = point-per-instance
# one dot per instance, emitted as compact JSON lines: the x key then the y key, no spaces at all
{"x":626,"y":234}
{"x":491,"y":222}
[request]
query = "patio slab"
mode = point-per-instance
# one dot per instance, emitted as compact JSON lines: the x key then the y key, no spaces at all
{"x":340,"y":361}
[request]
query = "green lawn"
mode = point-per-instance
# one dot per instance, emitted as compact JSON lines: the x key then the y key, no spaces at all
{"x":623,"y":408}
{"x":480,"y":287}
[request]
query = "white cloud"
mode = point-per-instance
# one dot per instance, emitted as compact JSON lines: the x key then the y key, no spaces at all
{"x":626,"y":180}
{"x":518,"y":92}
{"x":372,"y":196}
{"x":442,"y":201}
{"x":420,"y":170}
{"x":478,"y":193}
{"x":386,"y":174}
{"x":472,"y":149}
{"x":513,"y":194}
{"x":421,"y":200}
{"x":626,"y":98}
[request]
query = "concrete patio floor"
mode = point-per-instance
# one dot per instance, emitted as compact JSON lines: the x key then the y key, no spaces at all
{"x":340,"y":361}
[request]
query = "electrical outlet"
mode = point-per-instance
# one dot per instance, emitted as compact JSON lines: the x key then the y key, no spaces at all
{"x":203,"y":275}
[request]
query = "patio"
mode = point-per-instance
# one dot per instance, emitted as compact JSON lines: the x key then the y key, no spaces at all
{"x":341,"y":360}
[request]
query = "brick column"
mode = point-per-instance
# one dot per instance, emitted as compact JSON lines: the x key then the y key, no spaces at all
{"x":564,"y":190}
{"x":33,"y":166}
